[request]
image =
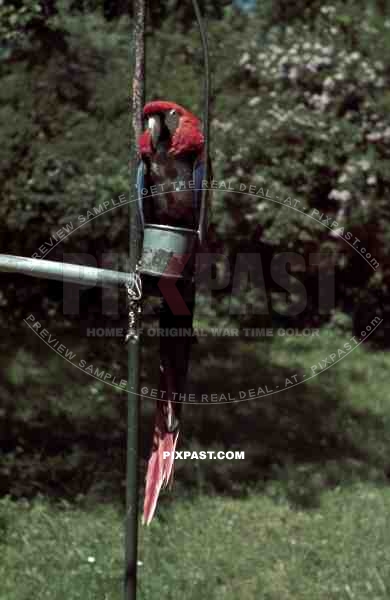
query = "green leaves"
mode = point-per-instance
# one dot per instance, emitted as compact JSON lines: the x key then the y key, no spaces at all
{"x":15,"y":20}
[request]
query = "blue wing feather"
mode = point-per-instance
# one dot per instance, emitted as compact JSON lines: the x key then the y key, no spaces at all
{"x":140,"y":187}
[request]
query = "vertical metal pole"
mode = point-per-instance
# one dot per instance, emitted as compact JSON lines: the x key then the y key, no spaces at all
{"x":132,"y":483}
{"x":206,"y":115}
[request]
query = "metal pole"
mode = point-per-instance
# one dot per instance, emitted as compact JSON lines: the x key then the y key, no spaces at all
{"x":132,"y":483}
{"x":66,"y":272}
{"x":206,"y":115}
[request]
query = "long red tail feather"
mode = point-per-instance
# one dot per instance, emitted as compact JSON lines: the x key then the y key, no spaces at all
{"x":160,"y":469}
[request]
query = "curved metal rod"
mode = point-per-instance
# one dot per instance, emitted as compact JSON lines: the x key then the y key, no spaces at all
{"x":206,"y":111}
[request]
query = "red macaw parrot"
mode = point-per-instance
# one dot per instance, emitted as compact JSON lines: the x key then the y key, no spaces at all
{"x":171,"y":150}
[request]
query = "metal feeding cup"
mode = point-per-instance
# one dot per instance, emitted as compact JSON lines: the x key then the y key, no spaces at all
{"x":168,"y":251}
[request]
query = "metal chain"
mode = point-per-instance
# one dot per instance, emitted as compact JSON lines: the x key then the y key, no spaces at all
{"x":134,"y":296}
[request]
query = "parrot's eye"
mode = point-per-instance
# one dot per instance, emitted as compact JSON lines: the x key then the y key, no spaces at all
{"x":172,"y":112}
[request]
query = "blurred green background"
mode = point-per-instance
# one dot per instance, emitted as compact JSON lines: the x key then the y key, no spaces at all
{"x":300,"y":105}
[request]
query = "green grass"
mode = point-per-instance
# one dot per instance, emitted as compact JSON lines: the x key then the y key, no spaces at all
{"x":45,"y":551}
{"x":313,"y":526}
{"x":217,"y":548}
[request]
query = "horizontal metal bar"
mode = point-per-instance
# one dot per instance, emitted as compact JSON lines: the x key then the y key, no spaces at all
{"x":50,"y":269}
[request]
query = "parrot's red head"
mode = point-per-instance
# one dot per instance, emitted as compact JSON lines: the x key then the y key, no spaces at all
{"x":170,"y":123}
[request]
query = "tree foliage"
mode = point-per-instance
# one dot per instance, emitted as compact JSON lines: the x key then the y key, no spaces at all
{"x":300,"y":107}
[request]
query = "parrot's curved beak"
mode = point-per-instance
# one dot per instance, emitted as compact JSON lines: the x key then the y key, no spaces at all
{"x":154,"y":126}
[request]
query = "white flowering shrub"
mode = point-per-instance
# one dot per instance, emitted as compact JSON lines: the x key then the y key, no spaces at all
{"x":303,"y":110}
